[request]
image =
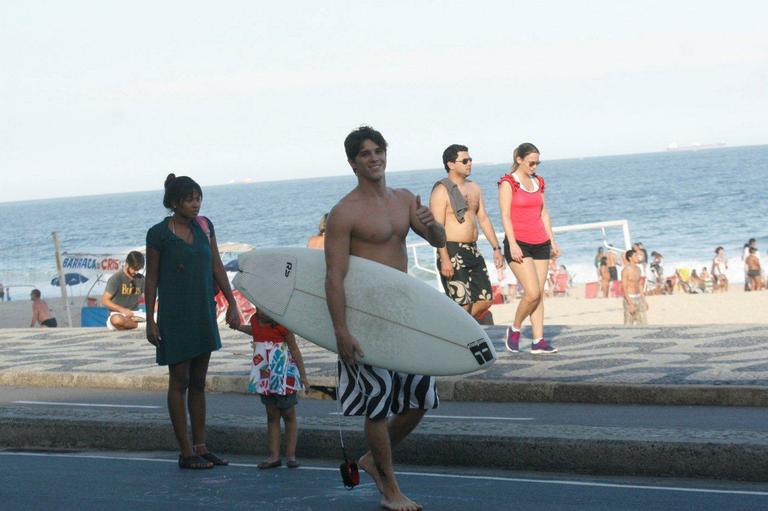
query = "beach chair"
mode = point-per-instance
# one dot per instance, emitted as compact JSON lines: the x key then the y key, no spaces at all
{"x":617,"y":289}
{"x":561,"y":286}
{"x":591,"y":289}
{"x":498,"y":298}
{"x":683,"y":275}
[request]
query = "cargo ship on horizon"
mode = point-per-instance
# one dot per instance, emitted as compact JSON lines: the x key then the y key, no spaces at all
{"x":696,"y":146}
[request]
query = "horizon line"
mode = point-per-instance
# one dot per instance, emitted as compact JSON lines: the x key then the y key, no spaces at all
{"x":247,"y":181}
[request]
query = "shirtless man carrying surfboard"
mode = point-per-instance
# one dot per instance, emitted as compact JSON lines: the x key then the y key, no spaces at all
{"x":372,"y":222}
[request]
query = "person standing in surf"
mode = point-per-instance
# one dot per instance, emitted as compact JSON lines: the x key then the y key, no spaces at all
{"x":528,"y":243}
{"x":372,"y":222}
{"x":182,"y":264}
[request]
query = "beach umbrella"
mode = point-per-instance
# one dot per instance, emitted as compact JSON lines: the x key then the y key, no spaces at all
{"x":70,"y":279}
{"x":232,"y":266}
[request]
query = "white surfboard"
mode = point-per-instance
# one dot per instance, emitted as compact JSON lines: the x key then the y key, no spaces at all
{"x":401,"y":323}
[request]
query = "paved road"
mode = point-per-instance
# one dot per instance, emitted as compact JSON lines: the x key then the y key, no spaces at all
{"x":534,"y":415}
{"x":119,"y":481}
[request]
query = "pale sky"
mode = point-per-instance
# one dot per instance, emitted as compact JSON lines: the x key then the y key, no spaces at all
{"x":106,"y":96}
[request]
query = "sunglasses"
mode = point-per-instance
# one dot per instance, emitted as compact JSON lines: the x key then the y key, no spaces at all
{"x":534,"y":163}
{"x":464,"y":161}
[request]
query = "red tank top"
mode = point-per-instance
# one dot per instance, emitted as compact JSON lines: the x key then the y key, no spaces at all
{"x":525,"y":211}
{"x":263,"y":333}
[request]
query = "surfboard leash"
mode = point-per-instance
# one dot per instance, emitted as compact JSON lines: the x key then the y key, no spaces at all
{"x":350,"y":472}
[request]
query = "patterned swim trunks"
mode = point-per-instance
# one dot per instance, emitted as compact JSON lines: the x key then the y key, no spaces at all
{"x":470,"y":282}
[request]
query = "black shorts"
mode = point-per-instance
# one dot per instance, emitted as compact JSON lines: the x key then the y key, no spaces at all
{"x":50,"y":323}
{"x":613,"y":272}
{"x":538,"y":251}
{"x":282,"y":402}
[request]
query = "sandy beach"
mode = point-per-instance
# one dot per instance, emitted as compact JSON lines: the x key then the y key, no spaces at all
{"x":733,"y":307}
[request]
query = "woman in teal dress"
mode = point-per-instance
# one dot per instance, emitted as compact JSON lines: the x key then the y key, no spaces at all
{"x":182,"y":263}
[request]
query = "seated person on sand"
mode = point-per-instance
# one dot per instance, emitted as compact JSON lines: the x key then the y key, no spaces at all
{"x":40,"y":311}
{"x":507,"y":286}
{"x":695,"y":284}
{"x":685,"y":281}
{"x":669,"y":287}
{"x":706,"y":280}
{"x":754,"y":272}
{"x":121,"y":296}
{"x":549,"y":285}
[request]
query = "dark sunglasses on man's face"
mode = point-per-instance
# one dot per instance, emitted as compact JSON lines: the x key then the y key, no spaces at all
{"x":464,"y":161}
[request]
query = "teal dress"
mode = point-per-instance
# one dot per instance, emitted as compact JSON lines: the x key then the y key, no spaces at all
{"x":186,"y":315}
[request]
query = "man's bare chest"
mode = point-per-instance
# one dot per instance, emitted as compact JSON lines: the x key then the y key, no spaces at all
{"x":380,"y":225}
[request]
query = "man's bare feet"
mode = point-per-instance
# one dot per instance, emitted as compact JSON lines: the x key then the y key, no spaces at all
{"x":399,"y":503}
{"x":366,"y":463}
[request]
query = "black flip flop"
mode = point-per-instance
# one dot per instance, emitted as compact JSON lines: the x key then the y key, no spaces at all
{"x":194,"y":462}
{"x":269,"y":464}
{"x":214,"y":459}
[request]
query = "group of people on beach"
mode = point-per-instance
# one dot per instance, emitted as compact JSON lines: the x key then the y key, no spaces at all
{"x":708,"y":279}
{"x":184,"y":270}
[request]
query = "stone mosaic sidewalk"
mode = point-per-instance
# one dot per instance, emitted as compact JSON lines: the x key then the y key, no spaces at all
{"x":683,"y":355}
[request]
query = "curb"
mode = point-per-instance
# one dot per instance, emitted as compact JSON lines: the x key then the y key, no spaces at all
{"x":450,"y":389}
{"x":653,"y":458}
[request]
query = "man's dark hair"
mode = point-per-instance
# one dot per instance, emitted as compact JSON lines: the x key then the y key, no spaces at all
{"x":135,"y":260}
{"x":179,"y":188}
{"x":629,"y":253}
{"x":451,"y":152}
{"x":354,"y":141}
{"x":35,"y":293}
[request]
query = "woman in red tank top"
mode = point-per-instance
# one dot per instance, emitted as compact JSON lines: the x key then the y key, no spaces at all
{"x":528,"y":244}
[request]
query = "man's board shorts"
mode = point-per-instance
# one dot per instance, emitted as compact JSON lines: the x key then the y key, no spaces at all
{"x":638,"y":318}
{"x":753,"y":273}
{"x":470,"y":282}
{"x":613,"y":272}
{"x":50,"y":323}
{"x":536,"y":251}
{"x":140,"y":316}
{"x":376,"y":392}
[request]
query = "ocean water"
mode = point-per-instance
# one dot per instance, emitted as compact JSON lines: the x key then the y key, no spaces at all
{"x":681,"y":204}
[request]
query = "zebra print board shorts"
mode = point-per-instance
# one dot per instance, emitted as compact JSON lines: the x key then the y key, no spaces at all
{"x":377,"y":393}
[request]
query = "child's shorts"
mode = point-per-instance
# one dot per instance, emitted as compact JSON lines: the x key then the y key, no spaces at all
{"x":280,"y":401}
